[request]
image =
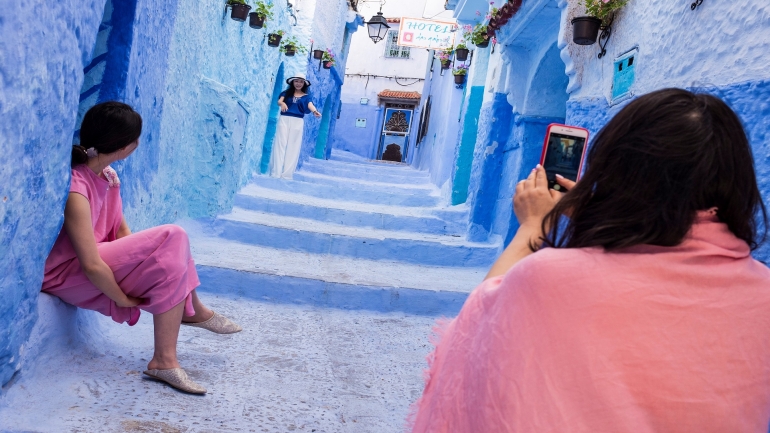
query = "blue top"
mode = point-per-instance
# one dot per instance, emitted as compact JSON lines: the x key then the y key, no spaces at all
{"x":297,"y":106}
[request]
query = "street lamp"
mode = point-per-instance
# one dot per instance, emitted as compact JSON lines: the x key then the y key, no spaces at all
{"x":378,"y":27}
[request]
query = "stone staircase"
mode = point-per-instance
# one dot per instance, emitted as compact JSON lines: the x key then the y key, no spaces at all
{"x":345,"y":233}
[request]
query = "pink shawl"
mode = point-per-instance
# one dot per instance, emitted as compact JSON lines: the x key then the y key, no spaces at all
{"x":651,"y":339}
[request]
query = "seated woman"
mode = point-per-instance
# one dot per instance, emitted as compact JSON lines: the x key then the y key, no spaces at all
{"x":98,"y":264}
{"x":644,"y":312}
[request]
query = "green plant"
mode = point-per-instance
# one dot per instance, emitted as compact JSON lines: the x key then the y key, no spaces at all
{"x":329,"y":57}
{"x":460,"y":70}
{"x":461,"y":46}
{"x":278,"y":32}
{"x":294,"y":43}
{"x":479,"y":34}
{"x":237,"y":2}
{"x":265,"y":10}
{"x":602,"y":9}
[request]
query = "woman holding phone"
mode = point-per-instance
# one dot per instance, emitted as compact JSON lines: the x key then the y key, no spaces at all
{"x":629,"y":304}
{"x":295,"y":102}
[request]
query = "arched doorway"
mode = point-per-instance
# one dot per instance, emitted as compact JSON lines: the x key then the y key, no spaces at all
{"x":272,"y":122}
{"x":323,"y":130}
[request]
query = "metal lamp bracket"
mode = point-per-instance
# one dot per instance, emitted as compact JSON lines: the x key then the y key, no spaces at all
{"x":695,"y":4}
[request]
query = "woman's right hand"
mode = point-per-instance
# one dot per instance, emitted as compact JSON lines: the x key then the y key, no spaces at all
{"x":283,"y":106}
{"x":128,"y":302}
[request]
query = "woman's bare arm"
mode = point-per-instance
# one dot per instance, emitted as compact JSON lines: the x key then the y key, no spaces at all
{"x":282,"y":104}
{"x":313,"y":109}
{"x":123,"y":231}
{"x":77,"y":223}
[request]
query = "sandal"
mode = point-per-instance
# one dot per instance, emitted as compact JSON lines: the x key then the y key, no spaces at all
{"x":218,"y":324}
{"x":177,"y":378}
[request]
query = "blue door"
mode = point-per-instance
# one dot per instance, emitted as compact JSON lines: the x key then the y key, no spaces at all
{"x":394,"y":138}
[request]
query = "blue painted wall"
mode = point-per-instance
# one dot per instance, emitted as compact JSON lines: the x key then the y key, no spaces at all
{"x":45,"y":47}
{"x":360,"y":141}
{"x":464,"y":157}
{"x":272,"y":120}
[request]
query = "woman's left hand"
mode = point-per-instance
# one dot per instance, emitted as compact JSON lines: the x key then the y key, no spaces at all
{"x":533,"y":199}
{"x":316,"y":113}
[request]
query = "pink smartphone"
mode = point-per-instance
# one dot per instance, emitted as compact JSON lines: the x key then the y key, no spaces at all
{"x":563,"y":153}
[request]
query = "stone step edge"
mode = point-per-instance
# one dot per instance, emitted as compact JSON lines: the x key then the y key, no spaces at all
{"x":284,"y":289}
{"x":313,"y":177}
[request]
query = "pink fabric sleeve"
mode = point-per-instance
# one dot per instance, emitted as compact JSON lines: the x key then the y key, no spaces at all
{"x":79,"y":184}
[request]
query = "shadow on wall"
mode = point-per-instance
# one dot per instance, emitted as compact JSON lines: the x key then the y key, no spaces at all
{"x":272,"y":121}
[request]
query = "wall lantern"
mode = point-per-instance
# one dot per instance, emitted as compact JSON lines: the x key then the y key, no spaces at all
{"x":378,"y":27}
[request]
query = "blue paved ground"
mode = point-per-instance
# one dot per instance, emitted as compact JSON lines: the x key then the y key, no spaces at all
{"x":293,"y":368}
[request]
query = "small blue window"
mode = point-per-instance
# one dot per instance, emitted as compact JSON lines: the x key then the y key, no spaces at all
{"x":624,"y":74}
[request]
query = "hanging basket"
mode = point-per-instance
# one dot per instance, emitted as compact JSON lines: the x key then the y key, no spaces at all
{"x":445,"y":64}
{"x":585,"y":30}
{"x":239,"y":12}
{"x":256,"y":21}
{"x":289,"y":50}
{"x":328,"y":65}
{"x":274,"y":39}
{"x":483,"y":44}
{"x":461,"y":54}
{"x":459,"y":79}
{"x":318,"y":54}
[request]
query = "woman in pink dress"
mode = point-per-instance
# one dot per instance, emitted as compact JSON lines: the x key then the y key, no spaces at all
{"x":98,"y":264}
{"x":643,"y":313}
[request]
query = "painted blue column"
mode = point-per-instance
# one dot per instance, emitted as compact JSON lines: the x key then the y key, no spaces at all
{"x":494,"y":128}
{"x":464,"y":162}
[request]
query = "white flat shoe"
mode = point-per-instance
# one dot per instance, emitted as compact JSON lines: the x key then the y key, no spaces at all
{"x":177,"y":378}
{"x":218,"y":324}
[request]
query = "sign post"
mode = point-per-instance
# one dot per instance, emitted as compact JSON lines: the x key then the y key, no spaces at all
{"x":420,"y":33}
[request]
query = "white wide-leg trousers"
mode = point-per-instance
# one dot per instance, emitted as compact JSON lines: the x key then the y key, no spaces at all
{"x":286,"y":147}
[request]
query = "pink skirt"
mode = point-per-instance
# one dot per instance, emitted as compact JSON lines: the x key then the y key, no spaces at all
{"x":154,"y":265}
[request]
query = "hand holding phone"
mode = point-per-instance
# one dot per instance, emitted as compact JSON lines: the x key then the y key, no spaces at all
{"x":563,"y":153}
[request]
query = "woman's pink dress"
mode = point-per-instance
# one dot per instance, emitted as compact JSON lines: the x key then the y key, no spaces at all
{"x":154,"y":265}
{"x":647,"y":340}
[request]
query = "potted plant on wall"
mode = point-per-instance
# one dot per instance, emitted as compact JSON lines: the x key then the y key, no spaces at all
{"x":461,"y":52}
{"x":444,"y":56}
{"x":262,"y":11}
{"x":274,"y":38}
{"x":477,"y":35}
{"x":460,"y":72}
{"x":291,"y":46}
{"x":239,"y":9}
{"x":328,"y":59}
{"x":585,"y":29}
{"x":318,"y":54}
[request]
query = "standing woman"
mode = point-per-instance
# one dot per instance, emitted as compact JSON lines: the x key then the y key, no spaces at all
{"x":295,"y":103}
{"x":98,"y":264}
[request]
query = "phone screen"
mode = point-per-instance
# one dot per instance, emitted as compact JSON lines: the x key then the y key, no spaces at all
{"x":563,"y":157}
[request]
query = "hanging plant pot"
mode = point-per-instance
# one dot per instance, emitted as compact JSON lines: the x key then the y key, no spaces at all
{"x":239,"y":12}
{"x":585,"y":30}
{"x":483,"y":44}
{"x":289,"y":50}
{"x":459,"y":79}
{"x":274,"y":39}
{"x":328,"y":65}
{"x":445,"y":64}
{"x":318,"y":54}
{"x":256,"y":21}
{"x":461,"y":54}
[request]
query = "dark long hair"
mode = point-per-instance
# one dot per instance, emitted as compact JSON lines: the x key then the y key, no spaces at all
{"x":290,"y":91}
{"x":663,"y":157}
{"x":107,"y":127}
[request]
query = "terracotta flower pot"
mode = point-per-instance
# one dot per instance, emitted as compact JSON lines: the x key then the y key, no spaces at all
{"x":239,"y":12}
{"x":461,"y":54}
{"x":289,"y":50}
{"x":459,"y":79}
{"x":585,"y":30}
{"x":274,"y":39}
{"x":318,"y":54}
{"x":256,"y":21}
{"x":328,"y":65}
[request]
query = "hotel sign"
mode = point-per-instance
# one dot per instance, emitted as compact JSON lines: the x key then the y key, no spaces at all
{"x":433,"y":35}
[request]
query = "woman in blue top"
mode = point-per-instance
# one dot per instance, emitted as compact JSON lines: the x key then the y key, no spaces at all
{"x":295,"y":103}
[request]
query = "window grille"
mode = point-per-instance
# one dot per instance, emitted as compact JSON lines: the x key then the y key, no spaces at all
{"x":392,"y":49}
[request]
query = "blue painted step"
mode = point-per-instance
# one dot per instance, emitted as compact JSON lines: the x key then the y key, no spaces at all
{"x":369,"y":184}
{"x":353,"y":192}
{"x":442,"y":221}
{"x":355,"y":169}
{"x":316,"y":237}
